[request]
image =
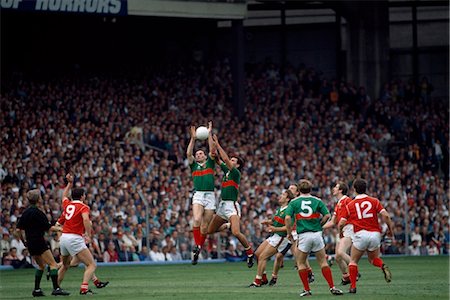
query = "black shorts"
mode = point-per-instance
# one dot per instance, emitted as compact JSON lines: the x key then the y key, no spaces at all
{"x":37,"y":247}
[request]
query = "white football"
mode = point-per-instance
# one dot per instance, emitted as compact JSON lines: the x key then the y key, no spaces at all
{"x":202,"y":133}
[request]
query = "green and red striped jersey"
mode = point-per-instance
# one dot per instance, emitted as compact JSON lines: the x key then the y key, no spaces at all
{"x":307,"y":211}
{"x":230,"y":183}
{"x":278,"y":219}
{"x":203,"y":175}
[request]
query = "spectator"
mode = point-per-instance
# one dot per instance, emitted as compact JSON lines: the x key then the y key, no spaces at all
{"x":156,"y":254}
{"x":111,"y":254}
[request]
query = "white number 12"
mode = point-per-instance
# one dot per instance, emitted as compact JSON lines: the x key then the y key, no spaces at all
{"x":366,"y":205}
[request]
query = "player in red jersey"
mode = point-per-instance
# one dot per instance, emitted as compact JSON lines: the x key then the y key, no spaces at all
{"x":345,"y":242}
{"x":363,"y":212}
{"x":76,"y":261}
{"x":72,"y":242}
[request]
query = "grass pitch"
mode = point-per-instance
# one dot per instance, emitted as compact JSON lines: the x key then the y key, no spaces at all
{"x":413,"y":278}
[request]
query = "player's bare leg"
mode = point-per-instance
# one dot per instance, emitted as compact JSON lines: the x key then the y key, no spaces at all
{"x":267,"y":252}
{"x":279,"y":257}
{"x":343,"y":259}
{"x":236,"y":231}
{"x":206,"y":219}
{"x":86,"y":258}
{"x":63,"y":269}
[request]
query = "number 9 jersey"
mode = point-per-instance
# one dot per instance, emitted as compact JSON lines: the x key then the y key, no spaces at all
{"x":71,"y":216}
{"x":363,"y":212}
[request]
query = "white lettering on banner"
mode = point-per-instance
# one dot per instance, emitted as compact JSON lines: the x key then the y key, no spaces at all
{"x":54,"y":5}
{"x":78,"y":5}
{"x":115,"y":6}
{"x":102,"y":6}
{"x":41,"y":5}
{"x":66,"y":5}
{"x":10,"y":3}
{"x":91,"y":6}
{"x":83,"y":6}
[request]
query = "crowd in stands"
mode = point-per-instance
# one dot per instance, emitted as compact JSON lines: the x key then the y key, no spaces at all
{"x":125,"y":139}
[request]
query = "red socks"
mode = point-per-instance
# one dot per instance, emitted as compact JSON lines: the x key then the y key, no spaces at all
{"x":197,"y":235}
{"x":304,"y":277}
{"x":326,"y":272}
{"x":377,"y":262}
{"x":264,"y":277}
{"x":84,"y":287}
{"x":353,"y":270}
{"x":202,"y":239}
{"x":249,"y":251}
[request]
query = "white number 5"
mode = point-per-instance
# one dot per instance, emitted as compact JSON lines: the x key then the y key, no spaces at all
{"x":366,"y":205}
{"x":70,"y":210}
{"x":305,"y":206}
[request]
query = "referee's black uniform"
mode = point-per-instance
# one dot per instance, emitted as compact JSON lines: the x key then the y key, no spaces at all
{"x":35,"y":224}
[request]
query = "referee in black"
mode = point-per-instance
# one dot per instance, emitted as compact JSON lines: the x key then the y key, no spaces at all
{"x":35,"y":224}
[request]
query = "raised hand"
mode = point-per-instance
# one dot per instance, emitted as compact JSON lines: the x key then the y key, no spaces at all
{"x":210,"y":126}
{"x":192,"y":130}
{"x":69,"y":177}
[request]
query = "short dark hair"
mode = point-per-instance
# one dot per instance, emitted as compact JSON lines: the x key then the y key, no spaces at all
{"x":240,"y":161}
{"x":360,"y":185}
{"x":77,"y":193}
{"x":201,"y":149}
{"x":343,"y":187}
{"x":305,"y":186}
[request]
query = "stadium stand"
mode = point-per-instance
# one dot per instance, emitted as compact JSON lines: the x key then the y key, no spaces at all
{"x":125,"y":137}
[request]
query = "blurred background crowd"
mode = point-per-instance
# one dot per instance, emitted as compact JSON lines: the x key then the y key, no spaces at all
{"x":124,"y":136}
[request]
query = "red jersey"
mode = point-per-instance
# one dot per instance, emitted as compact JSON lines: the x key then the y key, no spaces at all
{"x":73,"y":221}
{"x":363,"y":212}
{"x":340,"y":207}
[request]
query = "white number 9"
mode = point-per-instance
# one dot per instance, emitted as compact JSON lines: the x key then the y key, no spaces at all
{"x":70,"y":210}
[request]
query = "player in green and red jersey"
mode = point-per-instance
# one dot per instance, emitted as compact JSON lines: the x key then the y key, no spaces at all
{"x":229,"y":209}
{"x":310,"y":213}
{"x":276,"y":243}
{"x":204,"y":200}
{"x":278,"y":262}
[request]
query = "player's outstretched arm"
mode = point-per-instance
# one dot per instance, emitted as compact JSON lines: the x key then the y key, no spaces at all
{"x":211,"y":144}
{"x":222,"y":153}
{"x":190,"y":148}
{"x":69,"y":186}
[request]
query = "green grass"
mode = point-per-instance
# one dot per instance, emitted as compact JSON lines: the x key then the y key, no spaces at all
{"x":413,"y":278}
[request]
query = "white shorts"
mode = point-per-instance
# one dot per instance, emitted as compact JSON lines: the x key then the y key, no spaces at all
{"x":71,"y":244}
{"x":367,"y":240}
{"x":228,"y":208}
{"x":310,"y":241}
{"x":294,"y":235}
{"x":205,"y":199}
{"x":347,"y":231}
{"x":279,"y":242}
